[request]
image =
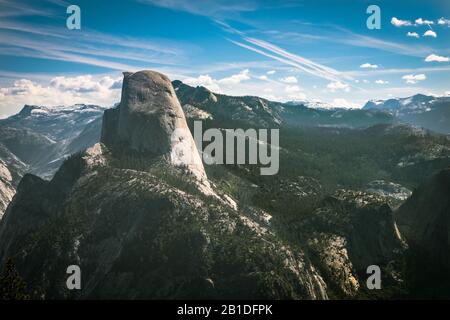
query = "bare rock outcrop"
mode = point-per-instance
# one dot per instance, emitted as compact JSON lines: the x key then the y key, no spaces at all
{"x":149,"y":120}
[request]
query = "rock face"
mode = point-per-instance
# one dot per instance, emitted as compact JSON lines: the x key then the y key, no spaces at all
{"x":7,"y":191}
{"x":350,"y":231}
{"x":425,"y":218}
{"x":150,"y":120}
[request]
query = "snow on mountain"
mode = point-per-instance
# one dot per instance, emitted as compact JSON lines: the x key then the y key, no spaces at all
{"x":415,"y":104}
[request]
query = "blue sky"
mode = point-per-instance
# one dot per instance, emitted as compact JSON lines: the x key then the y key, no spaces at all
{"x":281,"y":50}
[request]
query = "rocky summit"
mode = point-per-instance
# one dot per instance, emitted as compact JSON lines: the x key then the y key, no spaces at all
{"x":149,"y":120}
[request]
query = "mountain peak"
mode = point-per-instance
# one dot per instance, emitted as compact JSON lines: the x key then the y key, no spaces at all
{"x":149,"y":120}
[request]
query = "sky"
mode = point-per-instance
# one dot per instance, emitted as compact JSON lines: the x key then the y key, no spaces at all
{"x":318,"y":50}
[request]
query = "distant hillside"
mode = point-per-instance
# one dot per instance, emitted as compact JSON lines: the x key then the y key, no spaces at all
{"x":264,"y":113}
{"x":420,"y":110}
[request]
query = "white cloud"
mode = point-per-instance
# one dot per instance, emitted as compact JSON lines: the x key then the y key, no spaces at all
{"x":430,"y":33}
{"x":294,"y":92}
{"x":436,"y":58}
{"x":447,"y":93}
{"x":421,"y":22}
{"x":414,"y":78}
{"x":292,"y":89}
{"x":343,"y":103}
{"x":271,"y":72}
{"x":205,"y":81}
{"x":297,"y":96}
{"x":61,"y":91}
{"x":381,"y":82}
{"x":82,"y":84}
{"x":368,"y":66}
{"x":337,"y":85}
{"x":263,"y":78}
{"x":400,"y":23}
{"x":216,"y":85}
{"x":236,"y":78}
{"x":366,"y":81}
{"x":290,"y":79}
{"x":442,"y":21}
{"x":413,"y":34}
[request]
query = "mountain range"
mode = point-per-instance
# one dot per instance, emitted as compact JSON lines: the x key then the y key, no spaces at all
{"x":106,"y":190}
{"x":419,"y":110}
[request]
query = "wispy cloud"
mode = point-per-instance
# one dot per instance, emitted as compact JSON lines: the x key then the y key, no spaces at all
{"x":270,"y":50}
{"x":92,"y":48}
{"x":361,"y":73}
{"x":219,"y":8}
{"x":13,"y":8}
{"x":334,"y":34}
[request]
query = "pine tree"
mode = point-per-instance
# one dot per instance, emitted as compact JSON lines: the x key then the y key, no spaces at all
{"x":12,"y":285}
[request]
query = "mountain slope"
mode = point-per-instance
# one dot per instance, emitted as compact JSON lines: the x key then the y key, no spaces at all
{"x":420,"y":110}
{"x":42,"y":137}
{"x":255,"y":111}
{"x":424,"y":219}
{"x":141,"y":226}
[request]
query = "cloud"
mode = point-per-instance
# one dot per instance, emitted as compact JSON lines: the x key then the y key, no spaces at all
{"x":216,"y":85}
{"x":61,"y":91}
{"x":334,"y":86}
{"x":413,"y":34}
{"x":281,"y":55}
{"x":381,"y":82}
{"x":400,"y":23}
{"x":205,"y":81}
{"x":421,"y":22}
{"x":354,"y":39}
{"x":447,"y":93}
{"x":294,"y":92}
{"x":290,"y":79}
{"x":82,"y":84}
{"x":93,"y":48}
{"x":292,"y":89}
{"x":263,"y":77}
{"x":297,"y":96}
{"x":414,"y":78}
{"x":217,"y":8}
{"x":343,"y":103}
{"x":442,"y":21}
{"x":430,"y":33}
{"x":368,"y":66}
{"x":236,"y":78}
{"x":270,"y":72}
{"x":436,"y":58}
